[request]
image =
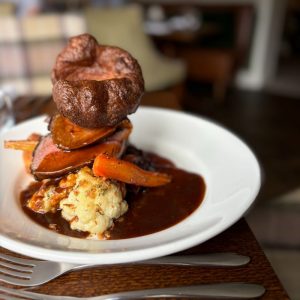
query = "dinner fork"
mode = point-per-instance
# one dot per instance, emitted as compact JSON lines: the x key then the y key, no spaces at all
{"x":220,"y":290}
{"x":27,"y":272}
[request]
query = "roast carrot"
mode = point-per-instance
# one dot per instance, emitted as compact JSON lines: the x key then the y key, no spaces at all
{"x":25,"y":145}
{"x":124,"y":171}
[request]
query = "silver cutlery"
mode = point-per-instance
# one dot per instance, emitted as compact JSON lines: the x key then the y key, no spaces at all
{"x":219,"y":290}
{"x":26,"y":272}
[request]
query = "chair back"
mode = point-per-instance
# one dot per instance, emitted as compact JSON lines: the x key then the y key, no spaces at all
{"x":123,"y":26}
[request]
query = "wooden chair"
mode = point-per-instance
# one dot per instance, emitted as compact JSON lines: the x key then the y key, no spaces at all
{"x":216,"y":65}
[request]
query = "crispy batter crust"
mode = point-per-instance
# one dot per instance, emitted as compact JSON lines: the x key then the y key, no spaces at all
{"x":95,"y":85}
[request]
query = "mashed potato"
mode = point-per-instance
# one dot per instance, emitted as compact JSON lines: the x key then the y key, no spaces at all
{"x":87,"y":202}
{"x":93,"y":203}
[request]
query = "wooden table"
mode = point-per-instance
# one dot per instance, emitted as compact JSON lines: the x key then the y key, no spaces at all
{"x":238,"y":238}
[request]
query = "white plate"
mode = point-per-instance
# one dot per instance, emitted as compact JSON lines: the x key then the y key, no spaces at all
{"x":230,"y":170}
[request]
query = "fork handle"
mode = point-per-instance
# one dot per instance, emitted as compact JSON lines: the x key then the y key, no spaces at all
{"x":220,"y":290}
{"x":211,"y":259}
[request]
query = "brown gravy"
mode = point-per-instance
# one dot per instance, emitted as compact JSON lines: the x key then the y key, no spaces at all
{"x":150,"y":210}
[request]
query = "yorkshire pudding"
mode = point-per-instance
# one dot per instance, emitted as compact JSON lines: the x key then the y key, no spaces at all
{"x":95,"y":85}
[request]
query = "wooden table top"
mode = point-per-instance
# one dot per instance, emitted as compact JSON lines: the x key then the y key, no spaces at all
{"x":109,"y":279}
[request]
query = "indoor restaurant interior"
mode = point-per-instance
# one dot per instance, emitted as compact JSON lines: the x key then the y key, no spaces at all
{"x":232,"y":63}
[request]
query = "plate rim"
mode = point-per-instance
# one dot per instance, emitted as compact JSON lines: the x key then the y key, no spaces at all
{"x":60,"y":255}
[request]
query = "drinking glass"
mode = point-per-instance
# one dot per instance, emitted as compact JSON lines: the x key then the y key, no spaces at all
{"x":6,"y":112}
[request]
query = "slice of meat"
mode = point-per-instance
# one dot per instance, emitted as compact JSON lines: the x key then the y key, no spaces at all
{"x":51,"y":162}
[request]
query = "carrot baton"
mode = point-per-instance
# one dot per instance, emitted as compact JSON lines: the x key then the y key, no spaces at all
{"x":25,"y":145}
{"x":111,"y":167}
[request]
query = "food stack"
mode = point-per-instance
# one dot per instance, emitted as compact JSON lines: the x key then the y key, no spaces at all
{"x":80,"y":165}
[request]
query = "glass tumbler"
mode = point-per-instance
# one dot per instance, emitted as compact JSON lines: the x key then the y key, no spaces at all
{"x":6,"y":112}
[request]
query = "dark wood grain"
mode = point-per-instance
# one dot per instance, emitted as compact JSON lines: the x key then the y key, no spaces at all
{"x":109,"y":279}
{"x":268,"y":123}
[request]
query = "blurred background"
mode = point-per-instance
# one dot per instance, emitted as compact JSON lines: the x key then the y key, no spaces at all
{"x":236,"y":62}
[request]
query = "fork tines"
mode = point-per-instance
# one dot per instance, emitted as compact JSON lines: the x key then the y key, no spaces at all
{"x":18,"y":268}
